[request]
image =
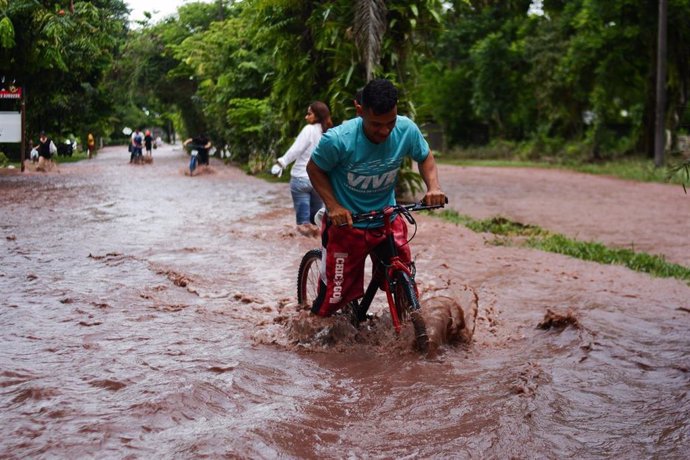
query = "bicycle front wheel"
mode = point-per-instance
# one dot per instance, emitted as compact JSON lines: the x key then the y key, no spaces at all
{"x":407,"y":306}
{"x":308,"y":277}
{"x":192,"y":165}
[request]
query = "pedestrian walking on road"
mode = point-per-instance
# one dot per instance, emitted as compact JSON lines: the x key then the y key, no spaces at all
{"x":148,"y":142}
{"x":90,"y":145}
{"x":304,"y":198}
{"x":46,"y":149}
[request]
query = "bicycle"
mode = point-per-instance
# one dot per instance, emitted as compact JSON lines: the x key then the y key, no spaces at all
{"x":194,"y":157}
{"x":389,"y":273}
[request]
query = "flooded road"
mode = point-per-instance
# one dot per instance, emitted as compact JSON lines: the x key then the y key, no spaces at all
{"x":148,"y":314}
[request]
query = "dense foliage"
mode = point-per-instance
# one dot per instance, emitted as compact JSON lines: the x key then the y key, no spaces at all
{"x":548,"y":78}
{"x":580,"y":73}
{"x":58,"y":52}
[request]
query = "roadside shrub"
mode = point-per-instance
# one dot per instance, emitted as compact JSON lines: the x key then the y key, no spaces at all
{"x":496,"y":150}
{"x":252,"y":131}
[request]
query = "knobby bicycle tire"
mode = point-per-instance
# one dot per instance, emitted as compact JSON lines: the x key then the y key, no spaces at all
{"x":407,"y":306}
{"x":308,"y":276}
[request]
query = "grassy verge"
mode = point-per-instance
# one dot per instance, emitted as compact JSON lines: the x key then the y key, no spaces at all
{"x":515,"y":233}
{"x":76,"y":156}
{"x":71,"y":159}
{"x":268,"y":177}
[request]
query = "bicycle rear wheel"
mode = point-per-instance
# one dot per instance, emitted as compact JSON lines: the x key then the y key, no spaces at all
{"x":308,"y":277}
{"x":407,"y":306}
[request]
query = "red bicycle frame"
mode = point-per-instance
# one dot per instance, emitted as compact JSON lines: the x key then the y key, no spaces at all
{"x":394,"y":265}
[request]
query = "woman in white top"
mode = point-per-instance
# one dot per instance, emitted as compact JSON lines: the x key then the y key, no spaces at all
{"x":305,"y":199}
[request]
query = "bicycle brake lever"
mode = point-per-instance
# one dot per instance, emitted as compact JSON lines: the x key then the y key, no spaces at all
{"x":408,"y":216}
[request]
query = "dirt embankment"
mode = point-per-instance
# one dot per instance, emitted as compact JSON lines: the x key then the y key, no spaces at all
{"x":647,"y":217}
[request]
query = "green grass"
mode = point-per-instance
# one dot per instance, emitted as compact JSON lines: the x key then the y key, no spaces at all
{"x":496,"y":225}
{"x":597,"y":252}
{"x":515,"y":233}
{"x":268,"y":177}
{"x":76,"y":156}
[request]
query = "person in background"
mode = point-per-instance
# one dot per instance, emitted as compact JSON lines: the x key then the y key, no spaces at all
{"x":90,"y":145}
{"x":46,"y":149}
{"x":148,"y":142}
{"x":202,"y":144}
{"x":137,"y":143}
{"x":305,"y":199}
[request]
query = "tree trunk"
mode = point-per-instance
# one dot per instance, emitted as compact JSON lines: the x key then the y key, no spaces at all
{"x":646,"y":139}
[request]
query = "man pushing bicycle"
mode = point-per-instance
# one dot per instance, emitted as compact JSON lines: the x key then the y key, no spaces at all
{"x":355,"y":170}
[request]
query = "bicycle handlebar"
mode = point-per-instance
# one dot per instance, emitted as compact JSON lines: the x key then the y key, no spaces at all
{"x":403,"y":209}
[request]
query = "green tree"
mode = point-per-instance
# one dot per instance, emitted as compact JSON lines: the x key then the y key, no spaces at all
{"x":60,"y":56}
{"x":232,"y":75}
{"x":152,"y":83}
{"x":583,"y":71}
{"x":327,"y":50}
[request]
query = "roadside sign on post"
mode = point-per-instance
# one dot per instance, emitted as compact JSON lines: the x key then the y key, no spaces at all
{"x":12,"y":123}
{"x":15,"y":92}
{"x":10,"y":127}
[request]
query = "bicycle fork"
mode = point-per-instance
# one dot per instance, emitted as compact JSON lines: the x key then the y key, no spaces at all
{"x":387,"y":273}
{"x":396,"y":266}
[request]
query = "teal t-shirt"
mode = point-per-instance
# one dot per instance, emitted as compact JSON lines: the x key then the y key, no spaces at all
{"x":363,"y":174}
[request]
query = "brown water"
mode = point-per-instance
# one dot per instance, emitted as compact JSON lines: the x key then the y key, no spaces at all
{"x":146,"y":313}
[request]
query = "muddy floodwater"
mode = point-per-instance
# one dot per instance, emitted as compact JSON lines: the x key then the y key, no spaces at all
{"x":149,"y":314}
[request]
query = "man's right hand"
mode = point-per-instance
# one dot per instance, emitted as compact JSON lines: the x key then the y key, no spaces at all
{"x":340,"y":216}
{"x":337,"y":214}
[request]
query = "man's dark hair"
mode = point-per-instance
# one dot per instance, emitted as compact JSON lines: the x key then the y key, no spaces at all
{"x":380,"y":96}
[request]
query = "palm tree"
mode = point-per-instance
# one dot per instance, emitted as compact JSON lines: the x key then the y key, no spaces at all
{"x":369,"y":28}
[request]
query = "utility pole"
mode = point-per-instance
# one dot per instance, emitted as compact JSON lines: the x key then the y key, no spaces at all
{"x":660,"y":134}
{"x":22,"y":105}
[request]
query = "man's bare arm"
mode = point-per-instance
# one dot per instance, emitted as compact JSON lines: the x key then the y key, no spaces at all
{"x":322,"y":184}
{"x":429,"y":172}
